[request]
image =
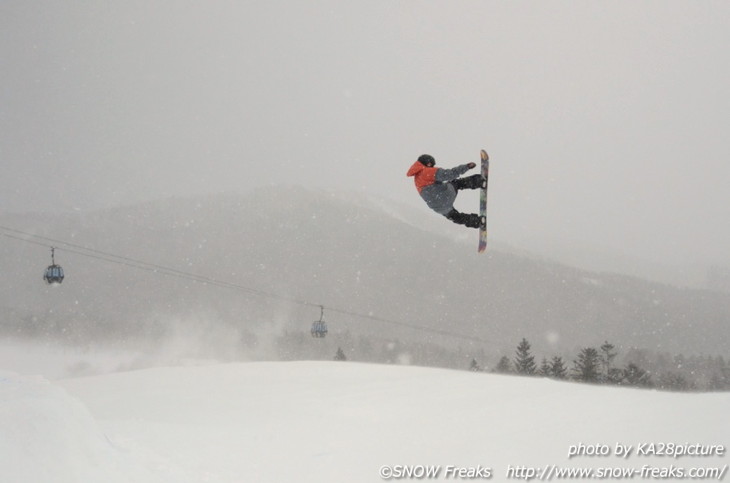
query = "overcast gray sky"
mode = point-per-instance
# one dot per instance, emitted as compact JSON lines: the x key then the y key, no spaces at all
{"x":607,"y":122}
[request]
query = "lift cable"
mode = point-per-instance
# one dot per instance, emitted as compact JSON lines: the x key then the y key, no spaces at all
{"x":172,"y":272}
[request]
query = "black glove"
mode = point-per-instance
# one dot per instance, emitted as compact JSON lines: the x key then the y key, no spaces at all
{"x":471,"y":165}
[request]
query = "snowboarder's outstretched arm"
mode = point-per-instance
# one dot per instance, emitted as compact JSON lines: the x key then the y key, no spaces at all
{"x":443,"y":175}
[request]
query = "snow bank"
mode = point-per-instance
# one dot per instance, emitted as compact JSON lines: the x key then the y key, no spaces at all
{"x":48,"y":436}
{"x":333,"y":422}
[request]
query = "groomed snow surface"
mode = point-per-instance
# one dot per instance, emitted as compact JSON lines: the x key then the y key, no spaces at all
{"x":332,"y":422}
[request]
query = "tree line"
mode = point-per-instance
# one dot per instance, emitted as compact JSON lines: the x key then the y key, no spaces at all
{"x":598,"y":366}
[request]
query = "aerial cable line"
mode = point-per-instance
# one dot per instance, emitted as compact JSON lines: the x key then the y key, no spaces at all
{"x":147,"y":266}
{"x":172,"y":272}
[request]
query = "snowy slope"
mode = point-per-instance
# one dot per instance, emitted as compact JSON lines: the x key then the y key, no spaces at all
{"x":329,"y":422}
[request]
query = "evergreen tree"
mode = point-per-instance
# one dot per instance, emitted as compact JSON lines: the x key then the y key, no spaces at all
{"x":474,"y":366}
{"x":587,"y":367}
{"x":633,"y":375}
{"x":544,"y":370}
{"x":525,"y":362}
{"x":673,"y":381}
{"x":504,"y":366}
{"x":557,"y":368}
{"x":718,"y":374}
{"x":610,"y":375}
{"x":615,"y":376}
{"x":716,"y":382}
{"x":719,"y":378}
{"x":340,"y":356}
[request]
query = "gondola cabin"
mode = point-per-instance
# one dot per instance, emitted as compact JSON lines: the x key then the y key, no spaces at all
{"x":54,"y":273}
{"x":319,"y":327}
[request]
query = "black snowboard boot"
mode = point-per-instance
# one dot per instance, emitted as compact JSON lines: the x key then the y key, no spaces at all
{"x":472,"y":182}
{"x":470,"y":220}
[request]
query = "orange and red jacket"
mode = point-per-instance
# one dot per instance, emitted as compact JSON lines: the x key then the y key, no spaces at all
{"x":434,"y":187}
{"x":423,"y":175}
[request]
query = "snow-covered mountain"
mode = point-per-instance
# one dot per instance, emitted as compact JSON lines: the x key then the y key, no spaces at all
{"x":379,"y":269}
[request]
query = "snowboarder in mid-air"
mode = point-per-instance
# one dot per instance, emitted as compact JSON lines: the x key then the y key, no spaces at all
{"x":438,"y":188}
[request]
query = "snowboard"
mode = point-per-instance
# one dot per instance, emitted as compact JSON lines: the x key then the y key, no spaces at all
{"x":483,"y":203}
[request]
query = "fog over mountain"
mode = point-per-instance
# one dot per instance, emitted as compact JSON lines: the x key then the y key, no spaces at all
{"x":272,"y":256}
{"x":606,"y":121}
